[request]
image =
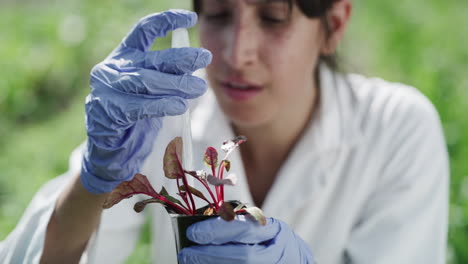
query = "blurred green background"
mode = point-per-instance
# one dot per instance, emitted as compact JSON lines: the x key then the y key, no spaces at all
{"x":47,"y":49}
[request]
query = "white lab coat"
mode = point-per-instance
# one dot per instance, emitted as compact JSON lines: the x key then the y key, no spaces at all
{"x":366,"y":183}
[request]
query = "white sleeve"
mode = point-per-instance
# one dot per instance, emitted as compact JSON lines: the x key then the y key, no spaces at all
{"x":112,"y":243}
{"x":25,"y":243}
{"x":405,"y":218}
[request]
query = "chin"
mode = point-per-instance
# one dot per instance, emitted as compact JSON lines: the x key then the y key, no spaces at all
{"x":247,"y":119}
{"x":248,"y":114}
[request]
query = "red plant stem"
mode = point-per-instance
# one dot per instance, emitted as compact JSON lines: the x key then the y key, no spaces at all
{"x":215,"y":202}
{"x":183,"y":206}
{"x":241,"y":211}
{"x":206,"y":200}
{"x":174,"y":206}
{"x":213,"y":170}
{"x":221,"y":188}
{"x":183,"y":197}
{"x":187,"y":186}
{"x":217,"y":193}
{"x":156,"y":195}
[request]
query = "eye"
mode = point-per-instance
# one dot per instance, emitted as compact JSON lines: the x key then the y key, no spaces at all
{"x":273,"y":20}
{"x":218,"y":17}
{"x":275,"y":13}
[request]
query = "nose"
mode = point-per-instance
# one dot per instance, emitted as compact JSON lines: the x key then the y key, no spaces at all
{"x":241,"y":47}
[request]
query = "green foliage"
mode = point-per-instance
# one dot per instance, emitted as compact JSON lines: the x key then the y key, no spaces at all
{"x":47,"y":51}
{"x":422,"y":43}
{"x":142,"y":252}
{"x":48,"y":48}
{"x":33,"y":154}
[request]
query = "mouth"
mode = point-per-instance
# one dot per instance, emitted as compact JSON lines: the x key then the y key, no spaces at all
{"x":241,"y":86}
{"x":240,"y":90}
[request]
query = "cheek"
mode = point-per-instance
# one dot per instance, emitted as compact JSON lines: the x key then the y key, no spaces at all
{"x":292,"y":62}
{"x":213,"y":43}
{"x":296,"y":51}
{"x":207,"y":40}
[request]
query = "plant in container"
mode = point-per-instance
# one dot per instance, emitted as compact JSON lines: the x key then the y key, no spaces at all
{"x":184,"y":211}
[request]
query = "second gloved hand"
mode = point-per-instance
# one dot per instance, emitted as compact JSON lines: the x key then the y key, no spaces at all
{"x":244,"y":241}
{"x":131,"y":91}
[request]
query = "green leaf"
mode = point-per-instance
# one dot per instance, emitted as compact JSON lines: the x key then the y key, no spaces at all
{"x":172,"y":199}
{"x":163,"y":191}
{"x":211,"y":157}
{"x":227,"y":165}
{"x":257,"y":214}
{"x":173,"y":159}
{"x":194,"y":192}
{"x":166,"y":195}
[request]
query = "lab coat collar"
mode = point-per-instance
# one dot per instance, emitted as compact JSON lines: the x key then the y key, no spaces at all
{"x":335,"y":124}
{"x":333,"y":128}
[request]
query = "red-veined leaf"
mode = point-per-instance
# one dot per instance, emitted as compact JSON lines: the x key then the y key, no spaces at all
{"x":231,"y":179}
{"x":211,"y":157}
{"x":140,"y":206}
{"x":173,"y":159}
{"x":226,"y":212}
{"x":138,"y":185}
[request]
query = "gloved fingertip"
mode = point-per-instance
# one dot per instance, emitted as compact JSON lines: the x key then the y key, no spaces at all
{"x":181,"y":258}
{"x":180,"y":107}
{"x":175,"y":106}
{"x":188,"y":255}
{"x":198,"y":235}
{"x":271,"y":221}
{"x":202,"y":87}
{"x":186,"y":18}
{"x":205,"y":58}
{"x":192,"y":86}
{"x":193,"y":18}
{"x":274,"y":223}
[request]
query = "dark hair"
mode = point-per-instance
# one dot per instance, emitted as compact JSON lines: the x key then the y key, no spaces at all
{"x":311,"y":9}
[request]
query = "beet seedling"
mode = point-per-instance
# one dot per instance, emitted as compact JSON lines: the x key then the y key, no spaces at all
{"x":173,"y":169}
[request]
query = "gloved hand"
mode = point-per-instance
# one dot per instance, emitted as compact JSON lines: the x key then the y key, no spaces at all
{"x":244,"y":241}
{"x":131,"y":91}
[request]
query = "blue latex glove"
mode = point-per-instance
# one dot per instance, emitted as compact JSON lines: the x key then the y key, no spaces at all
{"x":131,"y":91}
{"x":244,"y":241}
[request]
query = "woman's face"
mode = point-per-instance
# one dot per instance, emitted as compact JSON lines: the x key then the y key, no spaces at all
{"x":264,"y":56}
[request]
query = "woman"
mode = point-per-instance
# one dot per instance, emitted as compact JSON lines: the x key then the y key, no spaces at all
{"x":349,"y":169}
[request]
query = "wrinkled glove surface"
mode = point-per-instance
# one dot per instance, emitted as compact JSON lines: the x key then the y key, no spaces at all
{"x":131,"y":91}
{"x":244,"y":241}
